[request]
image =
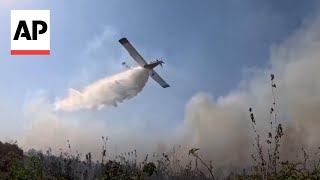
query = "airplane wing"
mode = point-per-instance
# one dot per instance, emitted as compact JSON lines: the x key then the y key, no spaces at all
{"x":133,"y":52}
{"x":155,"y":76}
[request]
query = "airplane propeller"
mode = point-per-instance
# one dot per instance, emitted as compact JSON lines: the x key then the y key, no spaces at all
{"x":161,"y":62}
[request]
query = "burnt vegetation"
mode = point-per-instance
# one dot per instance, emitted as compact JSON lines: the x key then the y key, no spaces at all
{"x":267,"y":162}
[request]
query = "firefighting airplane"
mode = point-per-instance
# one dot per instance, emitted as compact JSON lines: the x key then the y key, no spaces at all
{"x":139,"y":59}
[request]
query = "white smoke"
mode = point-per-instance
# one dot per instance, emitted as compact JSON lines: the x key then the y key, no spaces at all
{"x":46,"y":128}
{"x":221,"y":126}
{"x":106,"y":92}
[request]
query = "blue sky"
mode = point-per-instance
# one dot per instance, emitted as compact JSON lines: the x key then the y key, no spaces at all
{"x":206,"y":45}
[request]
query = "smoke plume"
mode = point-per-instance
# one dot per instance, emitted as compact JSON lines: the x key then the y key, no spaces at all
{"x":106,"y":92}
{"x":46,"y":128}
{"x":221,"y":126}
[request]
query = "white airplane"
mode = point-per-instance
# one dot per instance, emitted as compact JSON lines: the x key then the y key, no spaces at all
{"x":139,"y":59}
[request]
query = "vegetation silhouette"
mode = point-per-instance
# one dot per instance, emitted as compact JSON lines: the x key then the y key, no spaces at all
{"x":38,"y":165}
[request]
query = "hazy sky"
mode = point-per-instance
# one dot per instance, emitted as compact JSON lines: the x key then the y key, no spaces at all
{"x":207,"y":45}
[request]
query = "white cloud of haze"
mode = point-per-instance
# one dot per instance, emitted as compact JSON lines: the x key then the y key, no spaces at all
{"x":46,"y":128}
{"x":106,"y":92}
{"x":221,"y":127}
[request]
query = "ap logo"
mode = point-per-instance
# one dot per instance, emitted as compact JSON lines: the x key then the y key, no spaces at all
{"x":30,"y":32}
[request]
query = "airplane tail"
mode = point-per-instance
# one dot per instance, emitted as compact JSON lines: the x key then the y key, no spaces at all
{"x":126,"y":65}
